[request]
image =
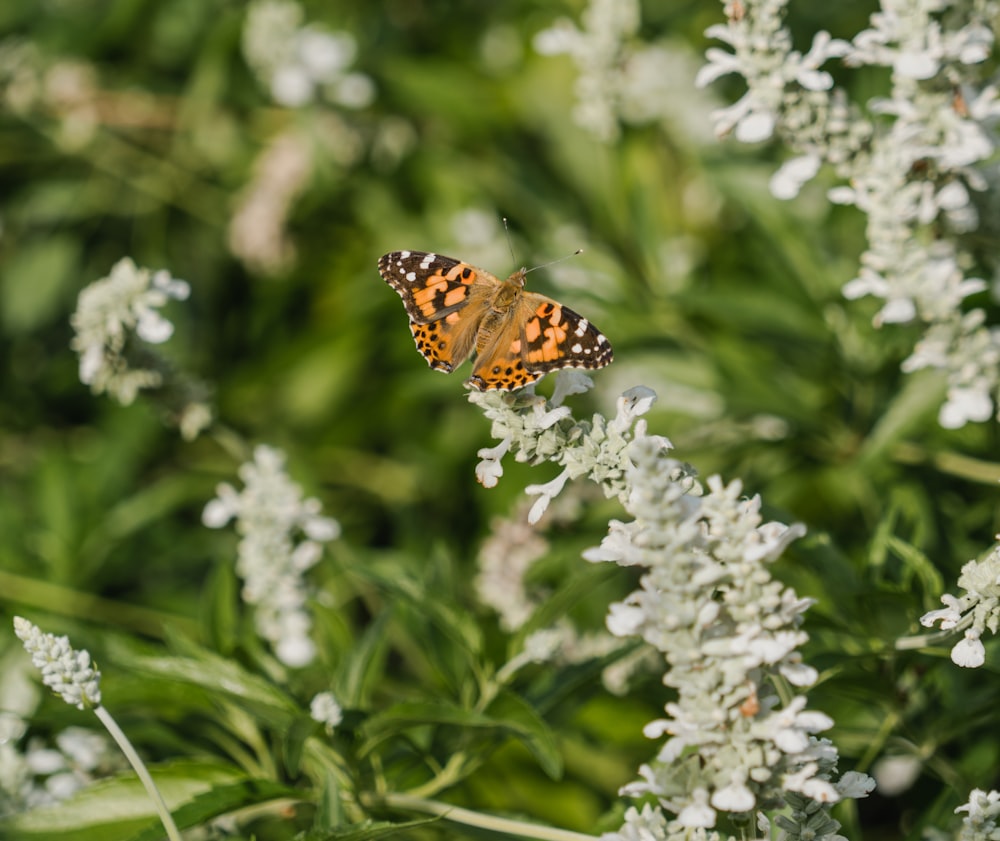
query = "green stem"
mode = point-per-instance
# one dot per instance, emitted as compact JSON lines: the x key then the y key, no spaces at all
{"x":140,"y":769}
{"x":445,"y":777}
{"x":477,"y":819}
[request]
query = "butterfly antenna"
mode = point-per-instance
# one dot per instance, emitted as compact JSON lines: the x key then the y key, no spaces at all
{"x":553,"y":262}
{"x":510,"y":245}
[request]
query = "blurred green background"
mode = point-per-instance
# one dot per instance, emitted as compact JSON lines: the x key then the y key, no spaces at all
{"x":140,"y":128}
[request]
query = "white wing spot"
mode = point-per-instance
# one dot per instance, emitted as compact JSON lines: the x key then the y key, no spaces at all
{"x":577,"y":348}
{"x":428,"y":259}
{"x":404,"y":254}
{"x":411,"y":276}
{"x":582,"y":327}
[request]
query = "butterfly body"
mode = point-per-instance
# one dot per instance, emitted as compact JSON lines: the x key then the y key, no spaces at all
{"x":456,"y":309}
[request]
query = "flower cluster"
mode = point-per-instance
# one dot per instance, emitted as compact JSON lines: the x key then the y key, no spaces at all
{"x":257,"y":231}
{"x":66,"y":671}
{"x":620,"y":79}
{"x":913,"y":176}
{"x":505,"y":557}
{"x":45,"y":774}
{"x":299,"y":63}
{"x":270,"y":515}
{"x":975,"y":612}
{"x":980,"y":821}
{"x":325,"y":709}
{"x":107,"y":312}
{"x":536,"y":430}
{"x":730,"y":635}
{"x":116,"y":323}
{"x":505,"y":560}
{"x":64,"y":90}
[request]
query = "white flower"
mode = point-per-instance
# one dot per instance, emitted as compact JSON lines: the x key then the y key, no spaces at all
{"x":570,"y":381}
{"x":697,"y":813}
{"x":600,"y":48}
{"x":821,"y":791}
{"x":257,"y":234}
{"x":735,"y":797}
{"x":896,"y":774}
{"x":647,"y":825}
{"x":45,"y":761}
{"x":855,"y":785}
{"x":910,"y":162}
{"x":270,"y":516}
{"x":504,"y":561}
{"x":325,"y":709}
{"x":545,"y":493}
{"x":489,"y":470}
{"x":969,"y":652}
{"x":966,"y":403}
{"x":792,"y":174}
{"x":66,"y":671}
{"x":982,"y":810}
{"x":298,"y":63}
{"x":949,"y":616}
{"x":107,"y":311}
{"x":84,"y":748}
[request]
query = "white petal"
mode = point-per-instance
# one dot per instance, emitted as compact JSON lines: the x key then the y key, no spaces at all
{"x":153,"y":328}
{"x":756,"y":126}
{"x":969,"y":653}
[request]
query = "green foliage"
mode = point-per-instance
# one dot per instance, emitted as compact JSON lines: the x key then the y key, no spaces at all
{"x":723,"y":300}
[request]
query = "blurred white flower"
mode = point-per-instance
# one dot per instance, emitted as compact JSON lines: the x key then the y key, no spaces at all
{"x":896,"y":774}
{"x":270,"y":515}
{"x":909,"y":163}
{"x":257,"y":234}
{"x":108,"y":311}
{"x":299,"y":63}
{"x":325,"y":709}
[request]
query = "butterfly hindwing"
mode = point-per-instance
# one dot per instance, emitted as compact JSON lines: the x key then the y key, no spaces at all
{"x":445,"y":343}
{"x":444,"y":298}
{"x":557,"y":337}
{"x":542,"y":336}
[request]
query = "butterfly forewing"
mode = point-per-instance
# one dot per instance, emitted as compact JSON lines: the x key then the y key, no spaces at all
{"x":431,"y":286}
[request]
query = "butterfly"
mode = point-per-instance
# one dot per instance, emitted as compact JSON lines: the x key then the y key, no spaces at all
{"x":456,"y":309}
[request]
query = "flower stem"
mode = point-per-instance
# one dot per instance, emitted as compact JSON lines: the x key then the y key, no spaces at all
{"x":140,"y":769}
{"x":477,"y":819}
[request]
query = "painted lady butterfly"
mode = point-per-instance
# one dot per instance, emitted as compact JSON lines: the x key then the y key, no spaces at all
{"x":518,"y":336}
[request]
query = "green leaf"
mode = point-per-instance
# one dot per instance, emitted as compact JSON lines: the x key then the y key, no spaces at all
{"x":119,"y":807}
{"x":527,"y":726}
{"x":507,"y":713}
{"x":363,"y":663}
{"x":221,"y":800}
{"x":295,"y":735}
{"x":35,"y":281}
{"x":221,"y":675}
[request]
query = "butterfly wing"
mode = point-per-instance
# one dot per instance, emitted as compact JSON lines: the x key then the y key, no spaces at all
{"x":445,"y":300}
{"x":541,"y":335}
